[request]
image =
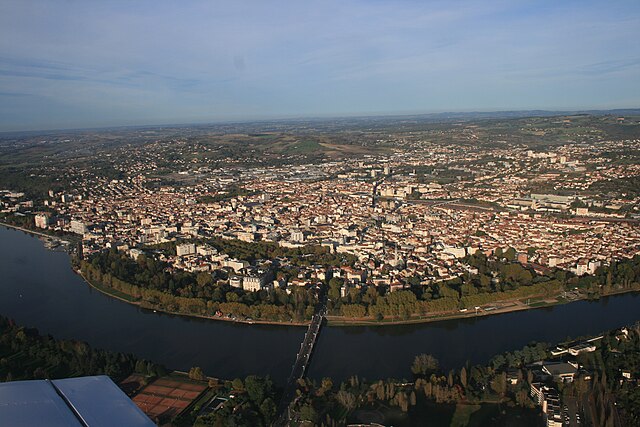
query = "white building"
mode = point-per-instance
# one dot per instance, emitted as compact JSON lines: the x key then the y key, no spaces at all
{"x":77,"y":227}
{"x":549,"y":400}
{"x":251,"y":283}
{"x":235,"y":281}
{"x":135,"y":253}
{"x":581,"y":268}
{"x":235,"y":264}
{"x":256,"y":280}
{"x":42,"y":220}
{"x":246,"y":236}
{"x":186,"y":249}
{"x":592,"y":266}
{"x":298,"y":236}
{"x":456,"y":252}
{"x":206,"y":250}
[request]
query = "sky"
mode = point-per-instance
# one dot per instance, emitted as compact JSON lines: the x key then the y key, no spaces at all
{"x":84,"y":63}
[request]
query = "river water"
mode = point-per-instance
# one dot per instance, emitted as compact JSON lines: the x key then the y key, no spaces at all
{"x":39,"y":289}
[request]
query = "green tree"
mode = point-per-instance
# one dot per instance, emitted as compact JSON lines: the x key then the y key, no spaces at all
{"x":268,"y":409}
{"x":346,"y":399}
{"x":326,"y":385}
{"x":510,"y":254}
{"x":308,"y":413}
{"x":258,"y":388}
{"x":196,"y":373}
{"x":499,"y":384}
{"x":424,"y":364}
{"x":463,"y":377}
{"x":237,"y":384}
{"x":204,"y":279}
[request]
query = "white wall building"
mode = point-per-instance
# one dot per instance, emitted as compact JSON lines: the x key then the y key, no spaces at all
{"x":42,"y":220}
{"x":186,"y":249}
{"x":77,"y":227}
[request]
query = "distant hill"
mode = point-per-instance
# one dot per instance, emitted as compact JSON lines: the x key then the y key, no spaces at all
{"x":325,"y":123}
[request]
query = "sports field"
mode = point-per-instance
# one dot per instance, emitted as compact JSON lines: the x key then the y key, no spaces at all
{"x":167,"y":397}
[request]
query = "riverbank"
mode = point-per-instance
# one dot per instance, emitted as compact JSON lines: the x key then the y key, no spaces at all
{"x":35,"y":233}
{"x":121,"y":296}
{"x":129,"y":300}
{"x":498,"y":307}
{"x":331,"y":320}
{"x":504,"y":307}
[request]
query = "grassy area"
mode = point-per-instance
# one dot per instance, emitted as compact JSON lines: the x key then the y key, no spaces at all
{"x":429,"y":413}
{"x":112,"y":292}
{"x":491,"y":414}
{"x":426,"y":414}
{"x":305,"y":146}
{"x":462,"y":415}
{"x":538,"y":304}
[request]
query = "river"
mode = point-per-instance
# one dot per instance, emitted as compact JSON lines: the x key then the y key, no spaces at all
{"x":39,"y":289}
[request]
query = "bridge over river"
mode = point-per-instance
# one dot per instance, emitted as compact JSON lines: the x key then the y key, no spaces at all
{"x":302,"y":360}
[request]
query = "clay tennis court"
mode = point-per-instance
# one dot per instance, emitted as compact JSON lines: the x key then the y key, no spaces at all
{"x":167,"y":397}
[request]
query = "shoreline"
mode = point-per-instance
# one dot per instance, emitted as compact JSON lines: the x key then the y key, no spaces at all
{"x":35,"y":233}
{"x":509,"y":306}
{"x":111,"y":293}
{"x":339,"y":321}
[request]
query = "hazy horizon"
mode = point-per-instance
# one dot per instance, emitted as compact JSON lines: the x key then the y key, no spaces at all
{"x":92,"y":64}
{"x":436,"y":117}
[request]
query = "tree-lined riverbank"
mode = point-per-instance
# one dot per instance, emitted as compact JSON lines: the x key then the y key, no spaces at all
{"x":147,"y":283}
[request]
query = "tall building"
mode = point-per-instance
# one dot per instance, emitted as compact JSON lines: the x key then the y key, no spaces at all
{"x":298,"y":236}
{"x":42,"y":220}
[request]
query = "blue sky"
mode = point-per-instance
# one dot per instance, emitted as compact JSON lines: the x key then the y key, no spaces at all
{"x":82,"y":63}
